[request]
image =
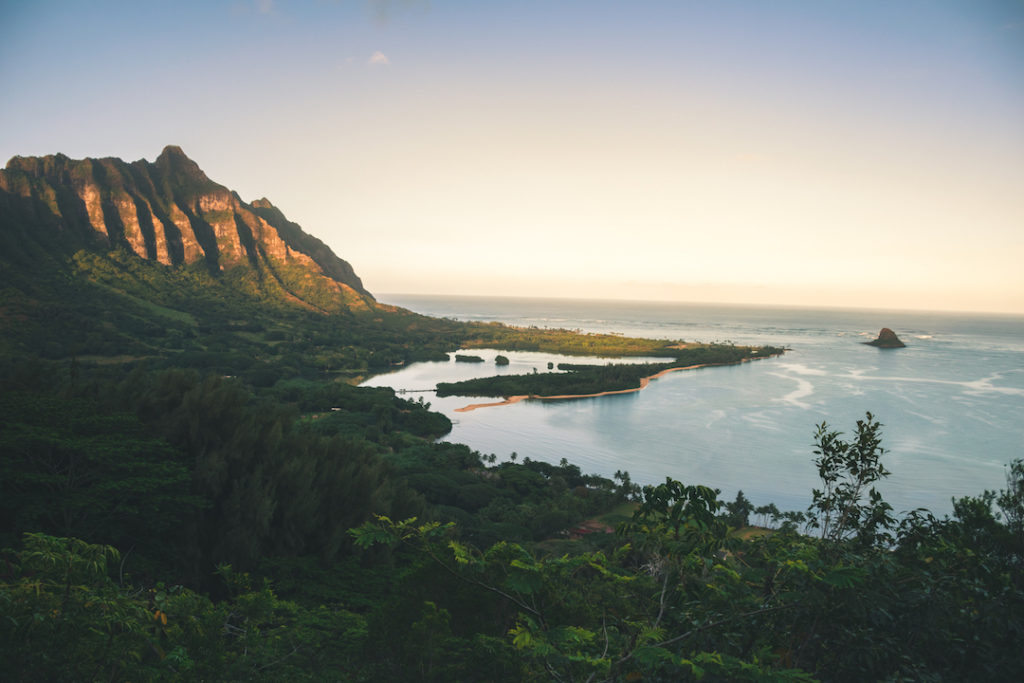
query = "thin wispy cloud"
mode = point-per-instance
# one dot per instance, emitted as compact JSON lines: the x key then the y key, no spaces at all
{"x":264,"y":6}
{"x":378,"y":58}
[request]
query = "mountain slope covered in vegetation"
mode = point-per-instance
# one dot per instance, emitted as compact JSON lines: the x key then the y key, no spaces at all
{"x":167,"y":211}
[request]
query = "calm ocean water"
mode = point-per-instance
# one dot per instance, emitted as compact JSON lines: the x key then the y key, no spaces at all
{"x":952,"y":402}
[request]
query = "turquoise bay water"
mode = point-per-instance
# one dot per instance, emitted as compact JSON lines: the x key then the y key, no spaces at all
{"x":952,"y":402}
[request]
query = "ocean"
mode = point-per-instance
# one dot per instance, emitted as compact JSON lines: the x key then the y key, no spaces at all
{"x":951,"y":402}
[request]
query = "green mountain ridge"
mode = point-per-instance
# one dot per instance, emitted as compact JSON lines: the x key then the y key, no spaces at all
{"x":168,"y":212}
{"x":112,"y":262}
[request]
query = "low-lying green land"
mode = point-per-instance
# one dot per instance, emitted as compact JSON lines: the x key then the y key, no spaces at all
{"x":568,"y":342}
{"x":583,"y":380}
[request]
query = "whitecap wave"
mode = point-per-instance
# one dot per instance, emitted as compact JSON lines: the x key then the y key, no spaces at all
{"x":803,"y":389}
{"x":981,"y":385}
{"x":801,"y":369}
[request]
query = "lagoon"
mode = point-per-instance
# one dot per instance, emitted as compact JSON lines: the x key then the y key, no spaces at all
{"x":952,"y":402}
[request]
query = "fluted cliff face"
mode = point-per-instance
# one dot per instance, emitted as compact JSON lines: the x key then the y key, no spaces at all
{"x":166,"y":211}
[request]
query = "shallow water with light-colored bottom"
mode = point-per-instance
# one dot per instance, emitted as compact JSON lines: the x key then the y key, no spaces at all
{"x":951,"y":402}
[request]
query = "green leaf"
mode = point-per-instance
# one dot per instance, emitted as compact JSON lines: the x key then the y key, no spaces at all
{"x":527,"y":567}
{"x":462,"y":554}
{"x":844,"y":576}
{"x":648,"y":655}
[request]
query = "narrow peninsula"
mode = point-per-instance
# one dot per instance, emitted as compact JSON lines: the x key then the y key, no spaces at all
{"x":589,"y":381}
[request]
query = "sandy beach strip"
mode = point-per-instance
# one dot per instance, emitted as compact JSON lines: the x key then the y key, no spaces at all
{"x":507,"y":402}
{"x":643,"y":385}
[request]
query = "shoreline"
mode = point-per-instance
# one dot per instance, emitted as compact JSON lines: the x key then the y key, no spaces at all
{"x":644,"y":382}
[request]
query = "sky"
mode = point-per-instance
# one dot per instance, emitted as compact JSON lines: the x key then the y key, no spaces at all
{"x":819,"y":153}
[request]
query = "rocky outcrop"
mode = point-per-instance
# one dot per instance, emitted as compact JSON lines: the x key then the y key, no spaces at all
{"x":887,"y":339}
{"x":168,"y":211}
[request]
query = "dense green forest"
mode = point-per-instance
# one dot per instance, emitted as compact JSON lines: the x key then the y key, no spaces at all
{"x":191,"y":488}
{"x":172,"y":525}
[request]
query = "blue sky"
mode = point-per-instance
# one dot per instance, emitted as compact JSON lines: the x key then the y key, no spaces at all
{"x":818,"y":153}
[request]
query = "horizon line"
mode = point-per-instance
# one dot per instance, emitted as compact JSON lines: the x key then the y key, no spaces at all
{"x":732,"y":304}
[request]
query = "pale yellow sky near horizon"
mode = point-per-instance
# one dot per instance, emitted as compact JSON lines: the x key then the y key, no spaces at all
{"x":865,"y":154}
{"x":740,"y":208}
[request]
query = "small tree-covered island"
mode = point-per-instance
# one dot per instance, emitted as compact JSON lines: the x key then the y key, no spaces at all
{"x":585,"y":380}
{"x":193,"y":488}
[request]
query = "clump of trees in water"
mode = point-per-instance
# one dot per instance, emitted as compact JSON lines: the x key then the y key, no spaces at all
{"x":585,"y":379}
